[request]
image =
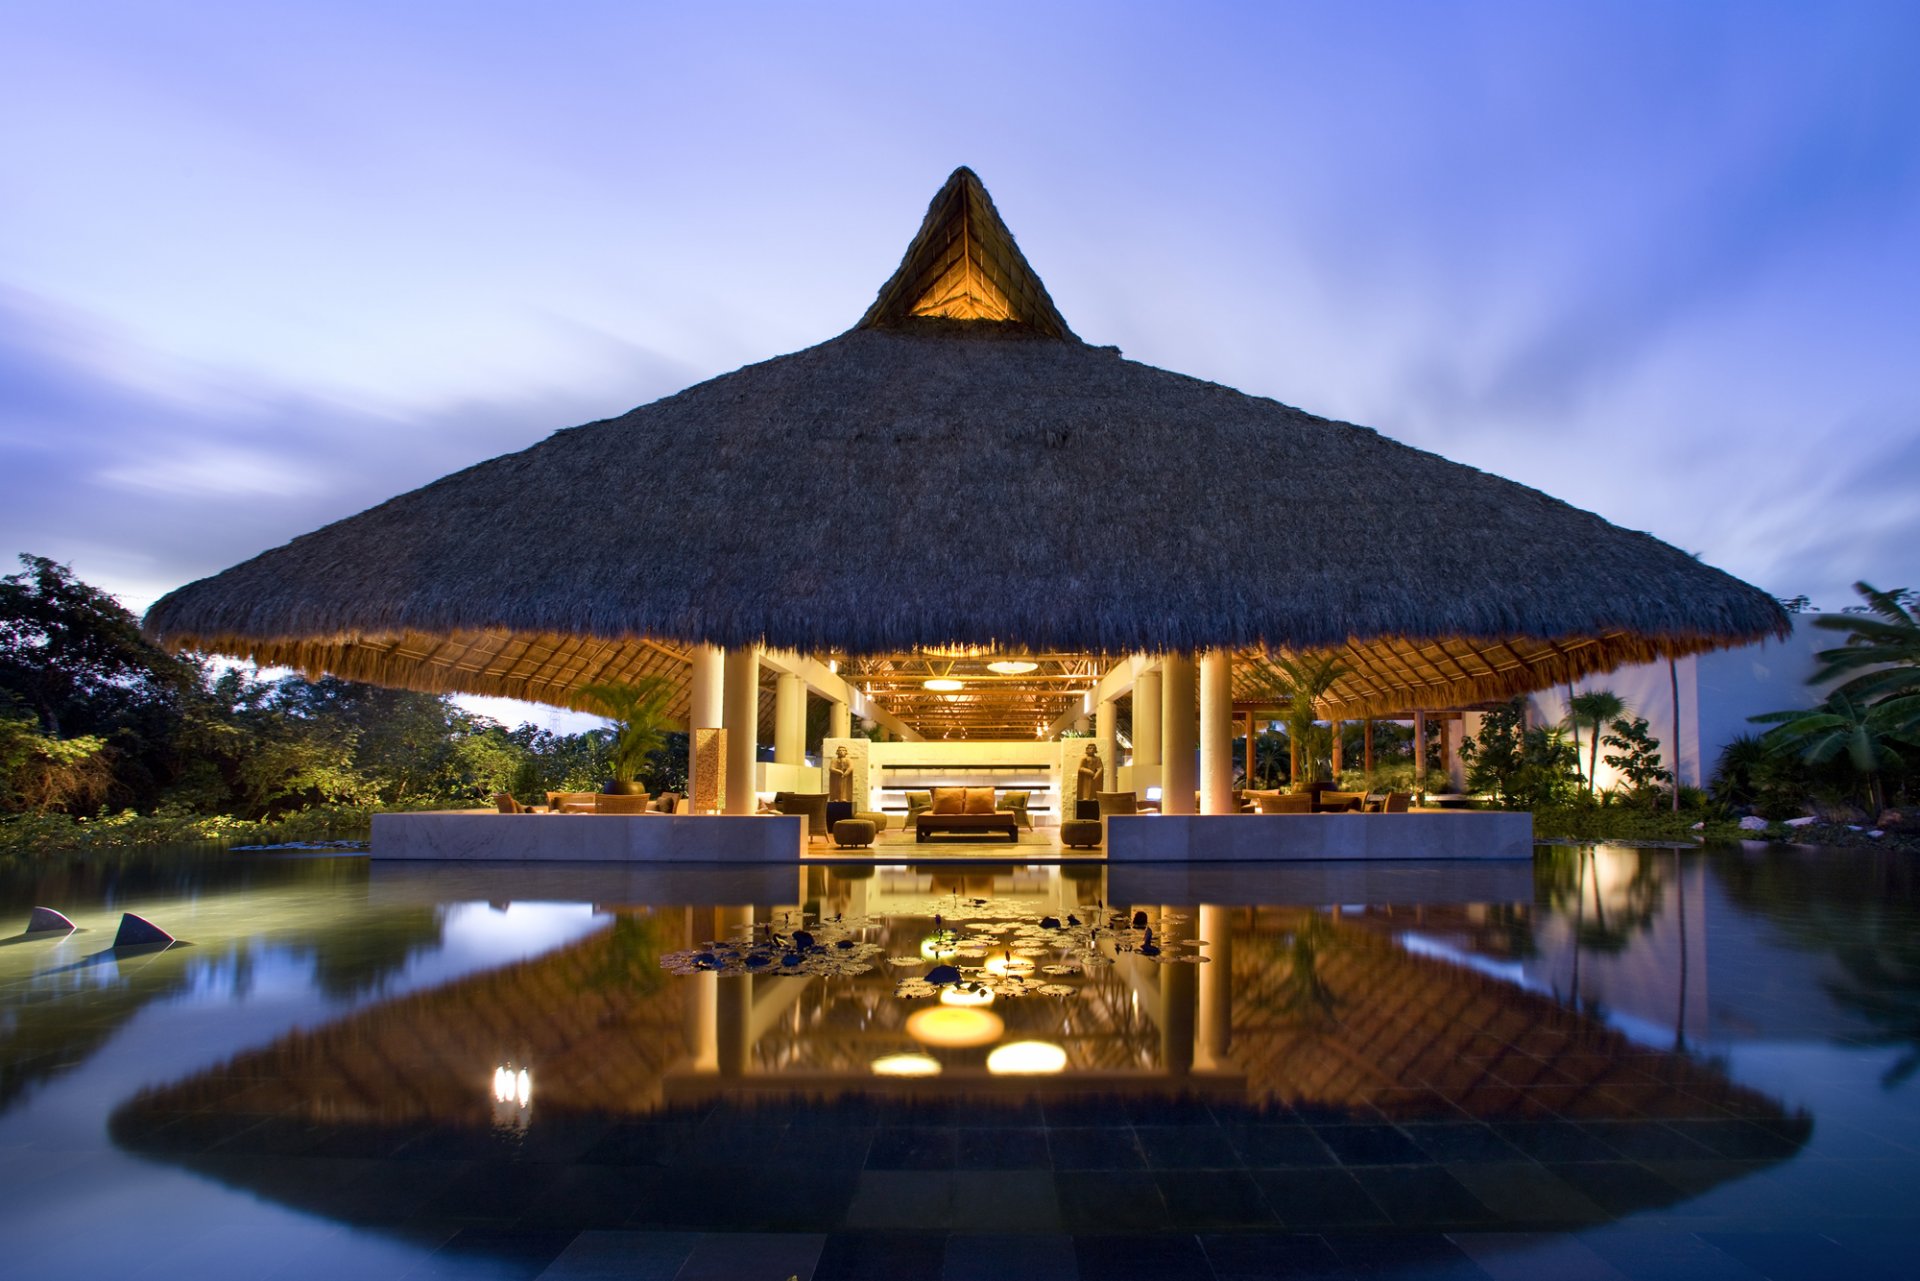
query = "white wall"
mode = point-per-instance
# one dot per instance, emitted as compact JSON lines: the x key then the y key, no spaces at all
{"x":1718,"y":692}
{"x":1031,"y":764}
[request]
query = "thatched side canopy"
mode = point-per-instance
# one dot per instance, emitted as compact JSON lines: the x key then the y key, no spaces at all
{"x":933,"y":477}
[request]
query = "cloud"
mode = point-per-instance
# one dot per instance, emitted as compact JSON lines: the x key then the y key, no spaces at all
{"x":144,"y":473}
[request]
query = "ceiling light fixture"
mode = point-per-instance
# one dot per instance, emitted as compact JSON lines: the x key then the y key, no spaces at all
{"x":942,"y":683}
{"x":1011,"y":666}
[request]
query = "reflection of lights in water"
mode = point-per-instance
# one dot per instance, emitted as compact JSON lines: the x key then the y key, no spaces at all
{"x":939,"y":947}
{"x":965,"y":997}
{"x":957,"y":1028}
{"x":1026,"y":1058}
{"x":1006,"y":963}
{"x":906,"y":1065}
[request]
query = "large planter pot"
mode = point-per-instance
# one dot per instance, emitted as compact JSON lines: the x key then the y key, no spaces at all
{"x":614,"y":787}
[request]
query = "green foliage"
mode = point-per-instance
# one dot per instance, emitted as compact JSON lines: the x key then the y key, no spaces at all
{"x":1636,"y":756}
{"x":1522,"y":767}
{"x":32,"y":834}
{"x":40,"y":773}
{"x":1869,"y":738}
{"x":639,"y":712}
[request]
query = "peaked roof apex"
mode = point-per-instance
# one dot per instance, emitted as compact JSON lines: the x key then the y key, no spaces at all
{"x":963,"y":264}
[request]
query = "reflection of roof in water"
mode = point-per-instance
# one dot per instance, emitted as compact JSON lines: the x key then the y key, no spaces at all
{"x":1331,"y":1022}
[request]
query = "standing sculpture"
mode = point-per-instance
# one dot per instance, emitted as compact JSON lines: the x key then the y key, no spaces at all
{"x":1092,"y":776}
{"x":840,"y":777}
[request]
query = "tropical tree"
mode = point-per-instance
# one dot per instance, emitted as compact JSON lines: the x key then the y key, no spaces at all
{"x":1881,"y":655}
{"x":1522,"y":766}
{"x":1297,"y":681}
{"x":1871,"y":738}
{"x":1594,"y":710}
{"x":638,"y":710}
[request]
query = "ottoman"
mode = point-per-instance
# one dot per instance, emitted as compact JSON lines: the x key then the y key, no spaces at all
{"x":853,"y":833}
{"x":1080,"y":833}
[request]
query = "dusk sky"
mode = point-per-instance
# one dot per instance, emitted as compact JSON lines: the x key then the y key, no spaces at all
{"x":263,"y":265}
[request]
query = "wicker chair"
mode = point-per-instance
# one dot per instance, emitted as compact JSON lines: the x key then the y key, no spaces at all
{"x":918,"y":803}
{"x":1016,"y":802}
{"x":1117,"y":803}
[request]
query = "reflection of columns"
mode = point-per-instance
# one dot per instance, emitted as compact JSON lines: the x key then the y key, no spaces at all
{"x":742,"y":701}
{"x":1179,"y":986}
{"x":733,"y":998}
{"x":1109,"y":747}
{"x":1216,"y":732}
{"x":839,"y":720}
{"x":705,"y":708}
{"x":1178,"y":775}
{"x":789,"y":720}
{"x":1146,"y":719}
{"x":702,"y":1012}
{"x":1216,"y":985}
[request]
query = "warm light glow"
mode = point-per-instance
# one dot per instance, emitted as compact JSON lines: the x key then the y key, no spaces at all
{"x":1026,"y":1058}
{"x":1153,"y":793}
{"x":939,"y":947}
{"x":906,"y":1065}
{"x":953,"y":1028}
{"x":943,"y":683}
{"x":1006,"y":963}
{"x":1011,"y":666}
{"x":956,"y":651}
{"x":510,"y":1086}
{"x":966,"y":997}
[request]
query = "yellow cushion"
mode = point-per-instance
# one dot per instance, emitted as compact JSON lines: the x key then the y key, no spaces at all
{"x":949,"y":800}
{"x":979,"y":800}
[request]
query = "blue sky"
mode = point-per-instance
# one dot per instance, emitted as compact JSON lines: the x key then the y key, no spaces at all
{"x":263,"y":265}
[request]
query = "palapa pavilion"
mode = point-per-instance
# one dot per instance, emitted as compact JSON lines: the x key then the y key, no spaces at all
{"x":1004,"y":533}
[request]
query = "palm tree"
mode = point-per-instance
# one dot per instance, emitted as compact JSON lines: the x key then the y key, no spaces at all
{"x":639,"y":713}
{"x":1298,"y":682}
{"x":1868,"y":735}
{"x":1883,"y":648}
{"x":1596,"y":709}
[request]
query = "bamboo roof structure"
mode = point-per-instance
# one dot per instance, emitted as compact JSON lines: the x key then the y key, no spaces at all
{"x":960,"y":467}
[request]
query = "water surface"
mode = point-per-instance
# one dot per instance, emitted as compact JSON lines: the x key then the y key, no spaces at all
{"x":1612,"y":1062}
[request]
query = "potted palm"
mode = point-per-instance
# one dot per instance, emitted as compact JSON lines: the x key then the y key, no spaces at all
{"x":638,"y":710}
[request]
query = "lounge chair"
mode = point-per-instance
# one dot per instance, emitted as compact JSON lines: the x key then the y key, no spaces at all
{"x":1117,"y":803}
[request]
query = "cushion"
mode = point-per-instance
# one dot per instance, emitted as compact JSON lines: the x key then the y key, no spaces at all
{"x":949,"y":800}
{"x":979,"y":800}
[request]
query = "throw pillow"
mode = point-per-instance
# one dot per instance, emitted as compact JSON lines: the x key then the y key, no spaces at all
{"x":949,"y":800}
{"x":979,"y":800}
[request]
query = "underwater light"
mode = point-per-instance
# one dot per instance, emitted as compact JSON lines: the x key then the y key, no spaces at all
{"x":1027,"y":1058}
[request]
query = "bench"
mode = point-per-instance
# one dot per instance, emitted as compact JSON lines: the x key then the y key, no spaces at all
{"x":926,"y":822}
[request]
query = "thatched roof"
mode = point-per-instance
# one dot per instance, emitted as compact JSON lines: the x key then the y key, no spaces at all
{"x":930,"y":477}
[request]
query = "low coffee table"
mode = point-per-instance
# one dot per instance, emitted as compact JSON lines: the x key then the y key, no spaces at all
{"x":926,"y":823}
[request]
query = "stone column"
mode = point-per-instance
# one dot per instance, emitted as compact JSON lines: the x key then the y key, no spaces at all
{"x":706,"y":707}
{"x":742,"y":700}
{"x":1216,"y":732}
{"x":1109,"y":745}
{"x":839,"y":720}
{"x":1420,"y":755}
{"x":1179,"y":773}
{"x":1456,"y":771}
{"x":789,"y":720}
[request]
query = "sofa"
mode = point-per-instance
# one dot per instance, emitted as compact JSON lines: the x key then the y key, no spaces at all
{"x":964,"y":810}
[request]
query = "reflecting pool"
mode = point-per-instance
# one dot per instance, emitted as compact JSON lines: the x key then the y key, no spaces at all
{"x":1611,"y":1062}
